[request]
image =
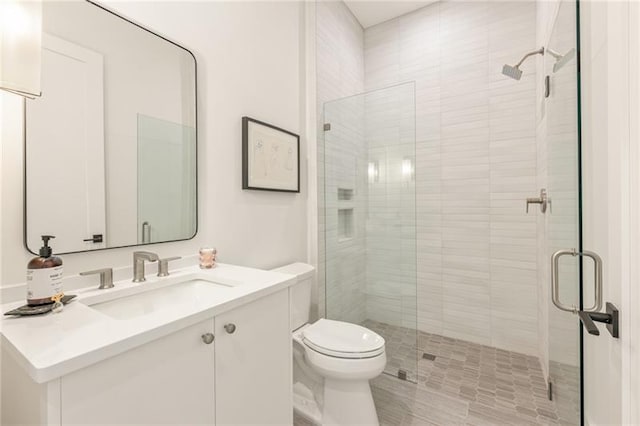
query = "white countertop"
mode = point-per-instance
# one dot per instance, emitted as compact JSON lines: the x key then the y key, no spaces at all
{"x":52,"y":345}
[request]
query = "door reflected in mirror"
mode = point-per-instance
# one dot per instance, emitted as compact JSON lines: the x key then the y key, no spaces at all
{"x":110,"y":147}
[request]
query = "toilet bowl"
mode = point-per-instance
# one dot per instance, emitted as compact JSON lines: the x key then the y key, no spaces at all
{"x":345,"y":356}
{"x":333,"y":361}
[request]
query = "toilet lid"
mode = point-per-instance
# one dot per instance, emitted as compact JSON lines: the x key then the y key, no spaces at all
{"x":342,"y":339}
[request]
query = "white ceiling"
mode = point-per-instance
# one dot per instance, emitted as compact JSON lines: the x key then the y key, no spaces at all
{"x":370,"y":13}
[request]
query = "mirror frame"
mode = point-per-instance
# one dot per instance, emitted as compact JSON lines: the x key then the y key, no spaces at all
{"x":24,"y":147}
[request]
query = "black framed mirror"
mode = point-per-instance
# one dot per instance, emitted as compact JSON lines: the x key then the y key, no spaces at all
{"x":111,"y":146}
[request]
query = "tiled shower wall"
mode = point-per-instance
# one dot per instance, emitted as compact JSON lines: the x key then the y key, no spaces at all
{"x":340,"y":73}
{"x":391,"y":207}
{"x":475,"y":165}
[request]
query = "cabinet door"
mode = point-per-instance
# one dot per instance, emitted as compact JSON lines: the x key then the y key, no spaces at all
{"x":166,"y":381}
{"x":253,"y":363}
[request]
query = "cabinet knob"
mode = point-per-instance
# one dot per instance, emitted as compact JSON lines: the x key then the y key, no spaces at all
{"x":230,"y":328}
{"x":208,"y":338}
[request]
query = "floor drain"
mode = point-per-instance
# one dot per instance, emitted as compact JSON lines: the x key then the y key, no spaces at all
{"x":428,"y":356}
{"x":402,"y":374}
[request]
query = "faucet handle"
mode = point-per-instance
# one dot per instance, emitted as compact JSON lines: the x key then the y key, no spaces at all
{"x":106,"y":277}
{"x":163,"y":267}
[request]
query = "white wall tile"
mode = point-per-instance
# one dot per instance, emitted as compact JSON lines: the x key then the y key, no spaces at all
{"x":340,"y":73}
{"x":475,"y":164}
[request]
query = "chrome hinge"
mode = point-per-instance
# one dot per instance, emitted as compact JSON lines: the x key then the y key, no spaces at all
{"x":547,"y":86}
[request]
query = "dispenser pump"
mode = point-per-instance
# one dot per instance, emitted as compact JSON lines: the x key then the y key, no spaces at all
{"x":45,"y":250}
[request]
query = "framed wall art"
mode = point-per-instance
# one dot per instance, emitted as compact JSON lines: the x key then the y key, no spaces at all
{"x":270,"y":157}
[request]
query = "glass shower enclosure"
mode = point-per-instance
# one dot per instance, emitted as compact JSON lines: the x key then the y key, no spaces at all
{"x":370,"y":218}
{"x":564,"y":223}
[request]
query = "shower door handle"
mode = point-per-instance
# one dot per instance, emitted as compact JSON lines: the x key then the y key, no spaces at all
{"x":555,"y":278}
{"x":611,"y":318}
{"x":146,"y":233}
{"x":589,"y":316}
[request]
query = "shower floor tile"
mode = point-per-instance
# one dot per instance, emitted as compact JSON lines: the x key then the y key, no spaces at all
{"x":466,"y":383}
{"x":400,"y":346}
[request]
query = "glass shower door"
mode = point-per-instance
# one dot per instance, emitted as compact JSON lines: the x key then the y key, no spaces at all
{"x":166,"y":175}
{"x":563,"y":217}
{"x":370,"y":214}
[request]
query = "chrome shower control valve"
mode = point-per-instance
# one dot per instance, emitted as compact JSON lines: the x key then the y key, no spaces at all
{"x":543,"y":200}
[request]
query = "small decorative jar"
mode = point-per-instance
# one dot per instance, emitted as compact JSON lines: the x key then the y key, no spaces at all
{"x":208,"y":257}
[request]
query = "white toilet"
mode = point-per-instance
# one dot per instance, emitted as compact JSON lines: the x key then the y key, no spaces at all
{"x":333,"y":361}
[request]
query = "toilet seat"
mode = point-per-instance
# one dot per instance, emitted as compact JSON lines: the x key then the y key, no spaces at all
{"x":342,"y":340}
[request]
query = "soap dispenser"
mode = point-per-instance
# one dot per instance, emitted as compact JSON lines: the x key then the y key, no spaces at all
{"x":44,"y":276}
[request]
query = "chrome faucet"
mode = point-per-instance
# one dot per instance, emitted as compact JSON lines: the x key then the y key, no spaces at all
{"x":138,"y":264}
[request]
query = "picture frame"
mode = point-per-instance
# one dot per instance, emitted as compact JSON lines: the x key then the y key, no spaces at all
{"x":270,"y":157}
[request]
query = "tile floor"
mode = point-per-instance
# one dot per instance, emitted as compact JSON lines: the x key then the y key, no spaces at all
{"x":400,"y":345}
{"x":466,"y":383}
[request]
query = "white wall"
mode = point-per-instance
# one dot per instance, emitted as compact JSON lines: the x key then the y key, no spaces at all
{"x":605,"y":106}
{"x":249,"y":63}
{"x":630,"y":398}
{"x":475,"y":164}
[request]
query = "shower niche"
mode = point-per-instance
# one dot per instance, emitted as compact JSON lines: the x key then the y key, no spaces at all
{"x":345,"y":224}
{"x":345,"y":214}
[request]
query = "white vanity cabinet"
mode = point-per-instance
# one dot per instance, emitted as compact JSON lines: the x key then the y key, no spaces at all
{"x":167,"y":381}
{"x":242,"y":377}
{"x":253,"y":363}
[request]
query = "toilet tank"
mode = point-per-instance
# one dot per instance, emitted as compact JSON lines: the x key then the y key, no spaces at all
{"x":299,"y":293}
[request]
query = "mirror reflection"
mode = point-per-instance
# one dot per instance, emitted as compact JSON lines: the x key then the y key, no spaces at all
{"x":118,"y":110}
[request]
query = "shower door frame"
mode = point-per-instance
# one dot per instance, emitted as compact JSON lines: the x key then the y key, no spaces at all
{"x":580,"y":222}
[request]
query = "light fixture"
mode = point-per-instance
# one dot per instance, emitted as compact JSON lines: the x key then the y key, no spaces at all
{"x":373,"y":171}
{"x":407,"y":169}
{"x":20,"y":46}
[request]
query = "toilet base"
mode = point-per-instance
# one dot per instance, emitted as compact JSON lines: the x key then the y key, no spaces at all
{"x":304,"y":404}
{"x":348,"y":402}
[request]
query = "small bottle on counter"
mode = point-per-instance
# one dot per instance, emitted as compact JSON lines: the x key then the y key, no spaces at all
{"x":44,"y":276}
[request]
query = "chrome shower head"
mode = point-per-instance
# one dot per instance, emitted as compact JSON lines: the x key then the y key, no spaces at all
{"x":512,"y":71}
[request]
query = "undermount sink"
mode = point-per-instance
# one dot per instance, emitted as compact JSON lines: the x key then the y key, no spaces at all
{"x":190,"y":293}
